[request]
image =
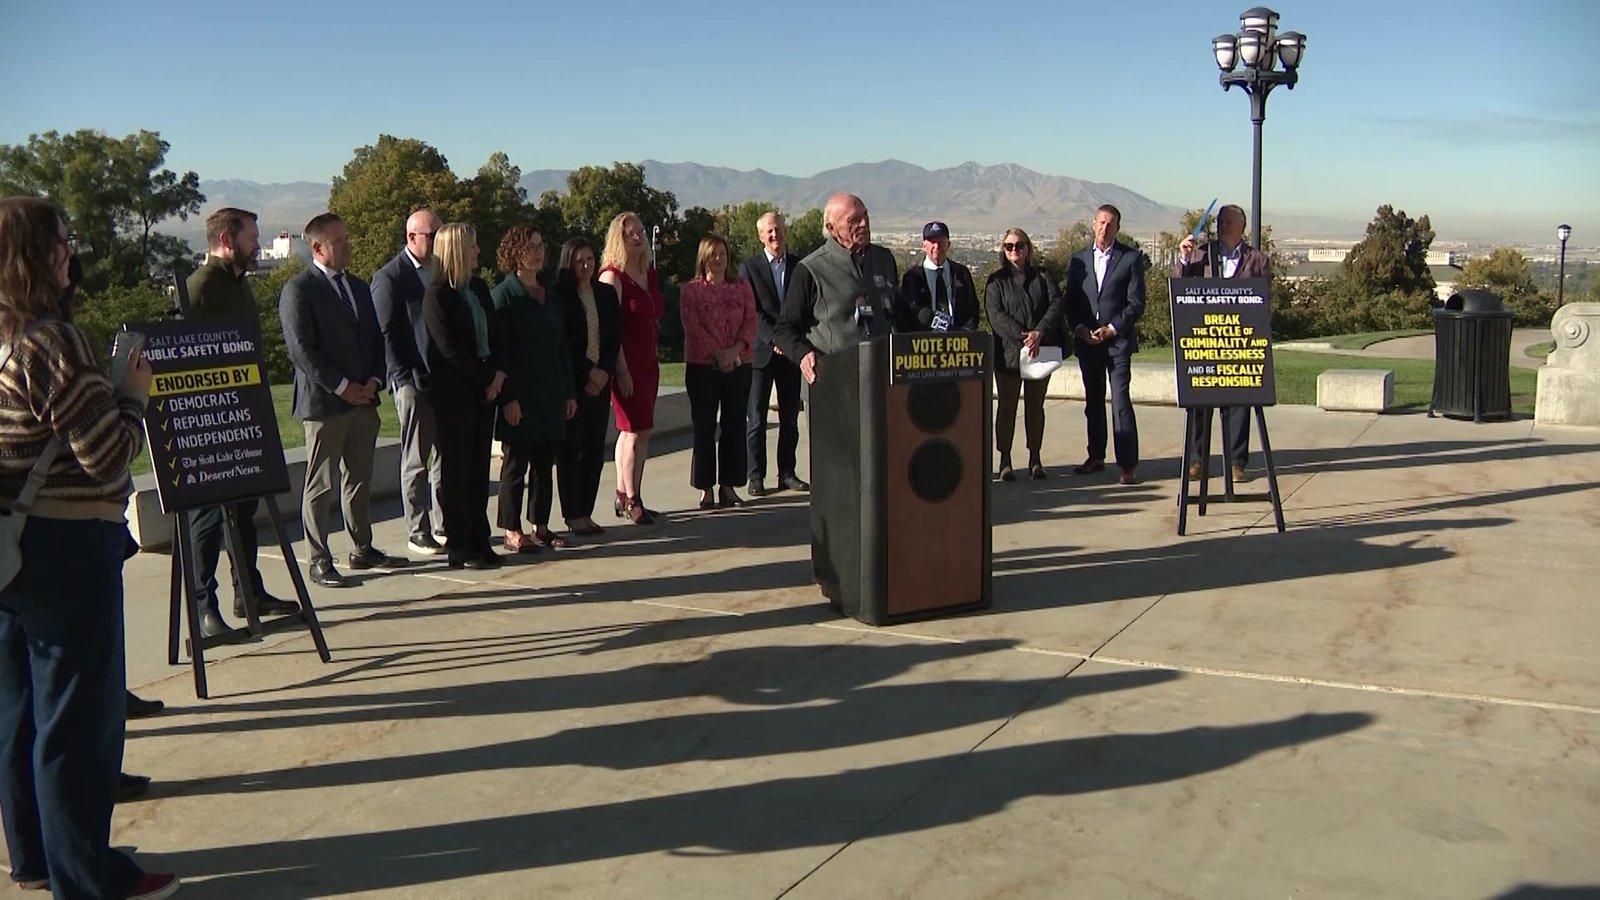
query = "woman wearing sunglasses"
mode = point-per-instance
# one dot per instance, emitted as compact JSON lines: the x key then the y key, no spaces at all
{"x":1024,"y":308}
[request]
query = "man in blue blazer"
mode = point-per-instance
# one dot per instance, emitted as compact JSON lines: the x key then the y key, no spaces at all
{"x":330,"y":329}
{"x":1105,"y":298}
{"x":397,"y":289}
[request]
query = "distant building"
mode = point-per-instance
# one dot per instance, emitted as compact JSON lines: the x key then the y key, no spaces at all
{"x":1325,"y":263}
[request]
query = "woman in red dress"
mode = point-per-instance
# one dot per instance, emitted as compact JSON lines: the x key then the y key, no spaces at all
{"x":626,"y":267}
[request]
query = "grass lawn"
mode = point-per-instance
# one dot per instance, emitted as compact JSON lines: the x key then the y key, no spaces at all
{"x":1296,"y":375}
{"x":1365,"y":339}
{"x":1540,"y":351}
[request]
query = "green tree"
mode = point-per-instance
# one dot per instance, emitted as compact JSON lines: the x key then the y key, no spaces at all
{"x":805,"y":233}
{"x":596,"y":194}
{"x":737,"y":223}
{"x":267,"y":288}
{"x":1393,"y":257}
{"x":1507,"y":272}
{"x":498,"y":201}
{"x":382,"y":185}
{"x":114,"y":192}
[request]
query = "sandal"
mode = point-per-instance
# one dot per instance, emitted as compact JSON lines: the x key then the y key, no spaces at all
{"x":520,"y":543}
{"x":548,"y":538}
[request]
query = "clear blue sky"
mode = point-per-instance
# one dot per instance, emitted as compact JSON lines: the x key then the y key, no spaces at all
{"x":1481,"y":114}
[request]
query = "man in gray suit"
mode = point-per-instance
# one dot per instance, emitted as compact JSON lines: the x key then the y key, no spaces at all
{"x":397,"y":289}
{"x":330,"y":329}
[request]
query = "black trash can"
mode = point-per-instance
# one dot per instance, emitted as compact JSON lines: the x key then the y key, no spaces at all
{"x":1472,"y":358}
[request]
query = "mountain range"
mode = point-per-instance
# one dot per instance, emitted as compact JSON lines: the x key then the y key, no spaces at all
{"x":972,"y":198}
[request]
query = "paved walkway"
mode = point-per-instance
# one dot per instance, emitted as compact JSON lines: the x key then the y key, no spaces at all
{"x":1422,"y":347}
{"x":1398,"y":697}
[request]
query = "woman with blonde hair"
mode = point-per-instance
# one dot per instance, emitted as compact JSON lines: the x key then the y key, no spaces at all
{"x":1024,"y":313}
{"x":466,"y":375}
{"x":626,"y":266}
{"x":67,"y":434}
{"x":719,"y":335}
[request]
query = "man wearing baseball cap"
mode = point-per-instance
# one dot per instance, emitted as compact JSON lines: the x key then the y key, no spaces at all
{"x":939,"y":294}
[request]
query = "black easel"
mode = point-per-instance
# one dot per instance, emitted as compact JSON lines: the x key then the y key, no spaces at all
{"x":1200,"y":418}
{"x":186,"y":588}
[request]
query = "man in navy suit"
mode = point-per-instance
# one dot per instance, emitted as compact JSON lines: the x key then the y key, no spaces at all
{"x":768,"y":273}
{"x":1105,"y":298}
{"x":397,"y":289}
{"x":940,"y":285}
{"x":330,"y":329}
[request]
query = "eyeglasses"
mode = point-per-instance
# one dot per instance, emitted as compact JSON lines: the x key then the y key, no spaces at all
{"x":70,"y":241}
{"x":1017,"y":247}
{"x":427,"y":234}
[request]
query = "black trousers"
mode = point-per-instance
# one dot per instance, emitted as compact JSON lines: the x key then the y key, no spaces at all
{"x":1235,"y":428}
{"x":210,"y":531}
{"x":516,"y":459}
{"x":1099,"y":365}
{"x":785,"y":375}
{"x":583,"y":455}
{"x":1007,"y":386}
{"x":717,"y":399}
{"x":466,"y":430}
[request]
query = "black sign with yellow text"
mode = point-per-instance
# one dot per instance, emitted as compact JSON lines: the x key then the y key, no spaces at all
{"x":937,"y":356}
{"x":1221,"y":335}
{"x":211,"y":426}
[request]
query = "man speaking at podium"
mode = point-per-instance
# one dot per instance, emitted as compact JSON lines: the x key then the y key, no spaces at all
{"x":842,"y":292}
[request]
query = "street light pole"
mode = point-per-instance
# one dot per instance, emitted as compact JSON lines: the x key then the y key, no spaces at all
{"x":1562,"y":233}
{"x":1260,"y":49}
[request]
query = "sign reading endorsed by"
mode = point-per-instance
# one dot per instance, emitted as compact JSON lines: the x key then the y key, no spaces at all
{"x":937,"y":356}
{"x":1221,"y":332}
{"x":211,"y":427}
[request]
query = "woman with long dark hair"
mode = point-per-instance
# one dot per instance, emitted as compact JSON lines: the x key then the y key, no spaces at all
{"x":67,"y":434}
{"x":594,"y":337}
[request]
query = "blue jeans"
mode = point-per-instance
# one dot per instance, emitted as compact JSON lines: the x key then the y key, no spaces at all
{"x":62,"y":707}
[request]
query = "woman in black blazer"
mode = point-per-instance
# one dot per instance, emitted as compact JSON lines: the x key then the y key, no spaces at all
{"x":1025,"y":312}
{"x":465,"y":381}
{"x":594,"y":335}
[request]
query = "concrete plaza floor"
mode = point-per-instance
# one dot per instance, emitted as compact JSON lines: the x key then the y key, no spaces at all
{"x":1399,"y":697}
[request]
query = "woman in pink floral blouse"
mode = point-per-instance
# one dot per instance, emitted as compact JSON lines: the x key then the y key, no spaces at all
{"x":719,"y":332}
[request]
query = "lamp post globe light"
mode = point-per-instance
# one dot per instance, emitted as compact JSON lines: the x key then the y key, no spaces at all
{"x":1251,"y":60}
{"x":1562,"y":233}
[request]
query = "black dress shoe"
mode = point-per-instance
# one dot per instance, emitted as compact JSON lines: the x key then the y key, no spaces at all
{"x":132,"y":787}
{"x":139,"y":708}
{"x":490,"y":560}
{"x":792,"y":482}
{"x":212,"y":624}
{"x":726,"y":498}
{"x":266,"y":605}
{"x":756,"y":488}
{"x":329,"y":577}
{"x":372,"y":558}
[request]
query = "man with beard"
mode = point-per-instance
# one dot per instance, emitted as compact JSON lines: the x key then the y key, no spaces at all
{"x":221,"y":288}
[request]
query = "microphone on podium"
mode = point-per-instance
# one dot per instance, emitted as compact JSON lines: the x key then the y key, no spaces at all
{"x":866,"y":318}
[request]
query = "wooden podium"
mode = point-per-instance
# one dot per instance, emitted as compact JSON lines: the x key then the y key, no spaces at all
{"x":900,"y":509}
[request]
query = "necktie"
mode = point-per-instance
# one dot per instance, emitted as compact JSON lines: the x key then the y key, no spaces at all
{"x":338,"y":282}
{"x":941,"y":294}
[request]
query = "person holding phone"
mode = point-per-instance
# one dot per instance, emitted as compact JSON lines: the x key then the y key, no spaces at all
{"x":63,"y":681}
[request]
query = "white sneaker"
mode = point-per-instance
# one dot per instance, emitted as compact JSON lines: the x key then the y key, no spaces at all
{"x":424,"y":547}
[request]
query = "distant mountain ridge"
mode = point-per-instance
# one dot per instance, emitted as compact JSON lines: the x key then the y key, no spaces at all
{"x":971,"y":197}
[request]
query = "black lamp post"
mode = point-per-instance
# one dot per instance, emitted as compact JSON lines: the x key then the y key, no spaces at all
{"x":1562,"y":233}
{"x":1250,"y":59}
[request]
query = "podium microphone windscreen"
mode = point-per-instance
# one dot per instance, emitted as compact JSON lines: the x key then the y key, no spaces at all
{"x":925,"y":318}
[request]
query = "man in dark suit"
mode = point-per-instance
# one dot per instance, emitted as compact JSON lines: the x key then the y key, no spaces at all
{"x":941,"y":286}
{"x":397,"y":289}
{"x":330,"y":329}
{"x":1226,"y":257}
{"x":222,"y":288}
{"x":1105,"y":298}
{"x":768,"y":273}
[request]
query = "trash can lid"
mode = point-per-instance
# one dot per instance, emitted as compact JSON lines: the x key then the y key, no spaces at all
{"x":1475,"y":301}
